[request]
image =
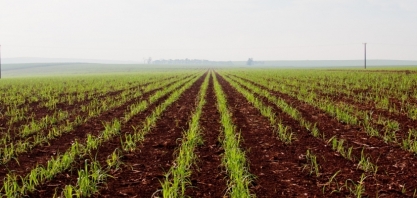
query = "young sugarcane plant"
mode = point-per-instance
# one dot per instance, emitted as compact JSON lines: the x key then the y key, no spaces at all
{"x":366,"y":165}
{"x":129,"y":144}
{"x":357,"y":189}
{"x":178,"y":176}
{"x":338,"y":146}
{"x":114,"y":160}
{"x":410,"y":144}
{"x":88,"y":181}
{"x":312,"y":163}
{"x":332,"y":179}
{"x":234,"y":158}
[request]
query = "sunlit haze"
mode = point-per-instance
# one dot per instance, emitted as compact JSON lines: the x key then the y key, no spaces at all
{"x":213,"y":30}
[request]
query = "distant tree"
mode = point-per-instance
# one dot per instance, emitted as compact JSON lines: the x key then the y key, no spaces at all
{"x":186,"y":61}
{"x":250,"y":61}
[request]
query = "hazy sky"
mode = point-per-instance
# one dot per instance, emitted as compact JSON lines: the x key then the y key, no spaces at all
{"x":209,"y":29}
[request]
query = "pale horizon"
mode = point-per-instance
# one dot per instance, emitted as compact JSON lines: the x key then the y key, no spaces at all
{"x":211,"y":30}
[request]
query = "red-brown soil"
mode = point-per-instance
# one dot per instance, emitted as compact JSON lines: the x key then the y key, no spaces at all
{"x":405,"y":122}
{"x":73,"y":110}
{"x":144,"y":169}
{"x":39,"y":155}
{"x":396,"y":167}
{"x":208,"y":177}
{"x":280,"y":170}
{"x":279,"y":167}
{"x":402,"y":118}
{"x":101,"y":154}
{"x":39,"y":111}
{"x":70,"y":176}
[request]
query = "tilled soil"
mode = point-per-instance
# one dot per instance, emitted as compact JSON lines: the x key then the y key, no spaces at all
{"x":396,"y":167}
{"x":406,"y":123}
{"x":39,"y":111}
{"x":101,"y":154}
{"x":39,"y":155}
{"x":143,"y":170}
{"x":274,"y":170}
{"x":279,"y":170}
{"x":73,"y":110}
{"x":295,"y":153}
{"x":208,"y":177}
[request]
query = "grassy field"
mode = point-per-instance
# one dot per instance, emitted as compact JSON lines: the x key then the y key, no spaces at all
{"x":80,"y":69}
{"x":170,"y":131}
{"x":65,"y":69}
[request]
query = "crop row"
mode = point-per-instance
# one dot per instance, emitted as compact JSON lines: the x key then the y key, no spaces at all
{"x":374,"y":125}
{"x":28,"y":111}
{"x":178,"y":177}
{"x":278,"y":134}
{"x":78,"y":150}
{"x":126,"y":146}
{"x":93,"y":109}
{"x":282,"y":131}
{"x":348,"y":148}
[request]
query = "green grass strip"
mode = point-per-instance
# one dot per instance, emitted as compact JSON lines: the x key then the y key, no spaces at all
{"x":40,"y":174}
{"x":234,"y":158}
{"x":177,"y":178}
{"x":283,"y":132}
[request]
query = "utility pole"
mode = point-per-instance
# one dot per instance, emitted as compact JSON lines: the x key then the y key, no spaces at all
{"x":365,"y":53}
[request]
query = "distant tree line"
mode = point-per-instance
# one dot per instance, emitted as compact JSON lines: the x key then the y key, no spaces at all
{"x":250,"y":61}
{"x":191,"y":62}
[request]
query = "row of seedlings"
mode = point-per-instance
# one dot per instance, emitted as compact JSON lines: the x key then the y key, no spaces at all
{"x":338,"y":144}
{"x":374,"y":125}
{"x":312,"y":163}
{"x":130,"y":142}
{"x":363,"y":163}
{"x":93,"y":109}
{"x":58,"y":115}
{"x":363,"y":159}
{"x":129,"y":145}
{"x":22,"y":99}
{"x":63,"y":162}
{"x":393,"y":92}
{"x":283,"y":132}
{"x":178,"y":176}
{"x":234,"y":159}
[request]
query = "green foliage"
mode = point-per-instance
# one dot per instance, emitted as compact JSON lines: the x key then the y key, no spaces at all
{"x":93,"y":174}
{"x":234,"y":158}
{"x":178,"y":176}
{"x":312,"y":163}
